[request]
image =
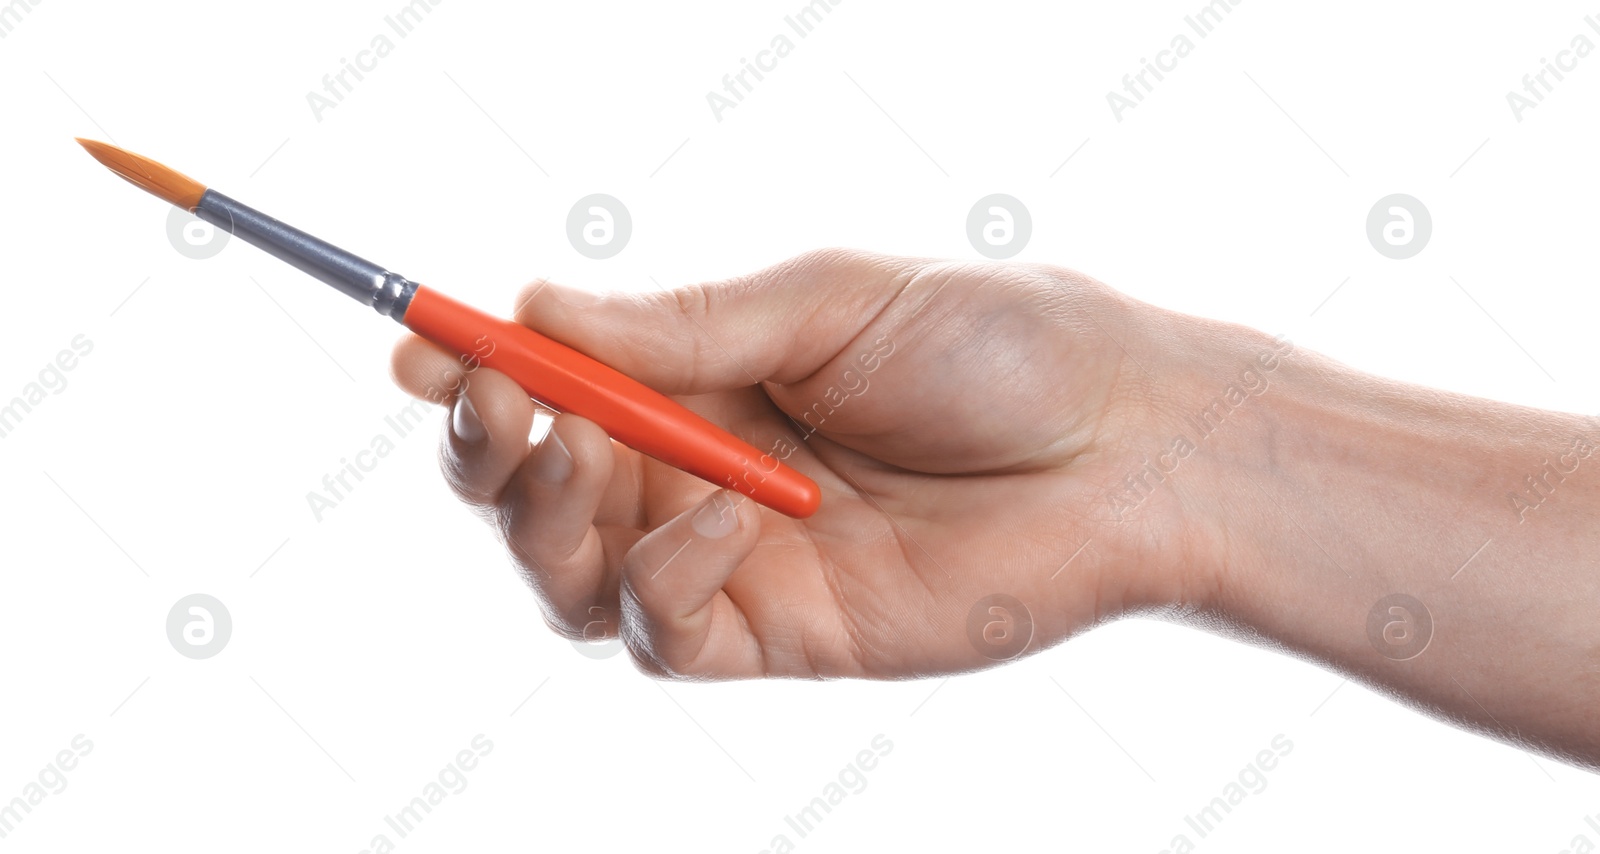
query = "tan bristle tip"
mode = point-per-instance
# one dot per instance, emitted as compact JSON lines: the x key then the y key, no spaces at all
{"x":147,"y":175}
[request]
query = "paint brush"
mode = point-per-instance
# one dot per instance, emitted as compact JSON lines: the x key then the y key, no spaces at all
{"x":555,"y":375}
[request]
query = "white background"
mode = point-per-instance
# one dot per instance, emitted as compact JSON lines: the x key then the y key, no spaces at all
{"x":369,"y":648}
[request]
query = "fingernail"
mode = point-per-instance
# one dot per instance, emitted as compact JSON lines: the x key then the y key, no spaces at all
{"x":717,"y":519}
{"x":554,"y":463}
{"x":465,"y":423}
{"x":568,"y":295}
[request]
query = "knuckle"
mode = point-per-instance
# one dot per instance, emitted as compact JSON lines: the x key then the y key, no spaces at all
{"x":455,"y":469}
{"x":575,"y":628}
{"x":643,"y":654}
{"x":522,"y":521}
{"x":634,"y":630}
{"x":563,"y":628}
{"x":689,"y":340}
{"x":649,"y":665}
{"x":584,"y":620}
{"x":694,"y":300}
{"x":534,"y":567}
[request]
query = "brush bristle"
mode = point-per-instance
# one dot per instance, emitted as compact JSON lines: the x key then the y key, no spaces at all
{"x":147,"y":175}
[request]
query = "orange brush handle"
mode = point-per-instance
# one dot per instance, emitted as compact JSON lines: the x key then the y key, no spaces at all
{"x":631,"y":412}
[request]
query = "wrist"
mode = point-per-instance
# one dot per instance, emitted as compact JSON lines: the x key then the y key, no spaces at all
{"x":1188,"y":422}
{"x":1342,"y":497}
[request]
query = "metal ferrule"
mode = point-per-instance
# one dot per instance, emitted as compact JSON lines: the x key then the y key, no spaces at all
{"x":366,"y":282}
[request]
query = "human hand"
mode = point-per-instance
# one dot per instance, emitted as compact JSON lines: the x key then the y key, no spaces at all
{"x":958,"y":417}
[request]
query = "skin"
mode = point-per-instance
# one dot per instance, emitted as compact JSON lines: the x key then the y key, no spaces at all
{"x":983,"y":429}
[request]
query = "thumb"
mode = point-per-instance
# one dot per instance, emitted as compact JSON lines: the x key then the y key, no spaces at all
{"x":779,"y":325}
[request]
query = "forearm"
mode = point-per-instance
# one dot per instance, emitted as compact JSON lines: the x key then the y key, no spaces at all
{"x":1332,"y":491}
